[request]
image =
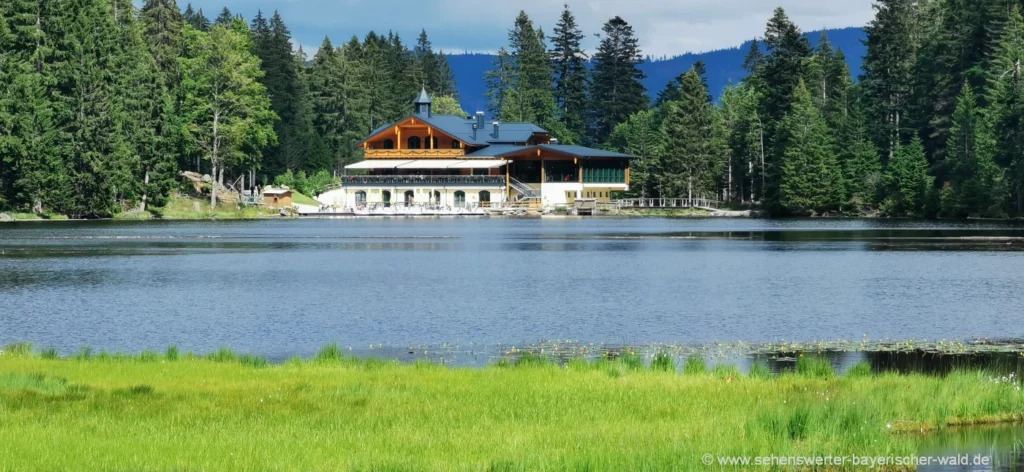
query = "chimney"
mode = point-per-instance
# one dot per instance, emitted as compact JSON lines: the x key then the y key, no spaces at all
{"x":480,"y":120}
{"x":495,"y":130}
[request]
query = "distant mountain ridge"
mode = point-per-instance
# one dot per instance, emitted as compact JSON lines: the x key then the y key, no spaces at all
{"x":723,"y":66}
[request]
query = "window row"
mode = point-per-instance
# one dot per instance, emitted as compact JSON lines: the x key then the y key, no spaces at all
{"x":409,"y":198}
{"x":415,"y":142}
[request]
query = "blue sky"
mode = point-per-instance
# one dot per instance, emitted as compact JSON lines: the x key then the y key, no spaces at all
{"x":664,"y":27}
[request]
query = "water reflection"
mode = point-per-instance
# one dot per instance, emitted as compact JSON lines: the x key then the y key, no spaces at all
{"x":1002,"y":445}
{"x":288,"y":287}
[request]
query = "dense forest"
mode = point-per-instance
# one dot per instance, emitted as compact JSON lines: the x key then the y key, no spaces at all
{"x":102,"y":104}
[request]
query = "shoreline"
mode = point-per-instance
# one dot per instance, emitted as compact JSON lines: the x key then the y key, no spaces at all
{"x":330,"y":411}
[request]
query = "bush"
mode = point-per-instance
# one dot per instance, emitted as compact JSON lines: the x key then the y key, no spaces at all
{"x":306,"y":185}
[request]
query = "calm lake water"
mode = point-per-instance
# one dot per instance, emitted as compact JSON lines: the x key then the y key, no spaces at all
{"x":281,"y":288}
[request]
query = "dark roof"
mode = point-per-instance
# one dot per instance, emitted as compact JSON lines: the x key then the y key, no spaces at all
{"x":501,"y":150}
{"x":423,"y":98}
{"x":583,"y":152}
{"x":462,"y":129}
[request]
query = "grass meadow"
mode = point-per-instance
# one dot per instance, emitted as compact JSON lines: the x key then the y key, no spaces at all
{"x":222,"y":411}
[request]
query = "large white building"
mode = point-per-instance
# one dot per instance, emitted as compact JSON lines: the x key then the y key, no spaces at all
{"x":452,"y":162}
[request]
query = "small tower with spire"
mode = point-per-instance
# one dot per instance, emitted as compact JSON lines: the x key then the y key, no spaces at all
{"x":423,"y":103}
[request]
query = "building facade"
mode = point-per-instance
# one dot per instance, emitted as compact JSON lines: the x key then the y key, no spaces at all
{"x":453,"y":162}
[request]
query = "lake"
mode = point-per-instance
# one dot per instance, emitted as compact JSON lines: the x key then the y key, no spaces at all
{"x":286,"y":287}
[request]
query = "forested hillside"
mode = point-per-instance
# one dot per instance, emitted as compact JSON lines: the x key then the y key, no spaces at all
{"x":103,"y":104}
{"x":724,"y":66}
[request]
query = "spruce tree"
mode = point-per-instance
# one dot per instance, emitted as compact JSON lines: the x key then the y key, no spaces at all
{"x":810,"y":181}
{"x":859,"y":160}
{"x":975,"y":179}
{"x":691,"y":162}
{"x":444,"y":80}
{"x":1006,"y":96}
{"x":531,"y":77}
{"x":499,"y":82}
{"x":571,"y":76}
{"x":429,"y":66}
{"x":754,"y":60}
{"x":617,"y":91}
{"x":196,"y":19}
{"x":829,"y":81}
{"x":907,"y":182}
{"x":642,"y":137}
{"x":889,"y":73}
{"x":225,"y":18}
{"x":787,"y":51}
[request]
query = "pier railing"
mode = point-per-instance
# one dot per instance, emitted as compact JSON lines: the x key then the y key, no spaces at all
{"x":705,"y":203}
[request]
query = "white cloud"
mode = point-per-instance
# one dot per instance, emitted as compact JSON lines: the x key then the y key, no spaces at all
{"x":664,"y":27}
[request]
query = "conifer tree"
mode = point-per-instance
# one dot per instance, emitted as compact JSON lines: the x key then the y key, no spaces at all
{"x":754,"y":60}
{"x":859,"y":160}
{"x":1006,"y":96}
{"x":616,"y":91}
{"x":787,"y":51}
{"x":889,"y":73}
{"x":196,"y":19}
{"x":444,"y":80}
{"x":531,"y":95}
{"x":225,"y":18}
{"x":810,"y":180}
{"x":642,"y":137}
{"x":976,"y":181}
{"x":907,"y":182}
{"x":499,"y":82}
{"x":692,"y":160}
{"x":571,"y":76}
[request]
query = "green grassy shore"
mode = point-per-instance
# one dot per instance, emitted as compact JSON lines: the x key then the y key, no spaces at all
{"x":172,"y":411}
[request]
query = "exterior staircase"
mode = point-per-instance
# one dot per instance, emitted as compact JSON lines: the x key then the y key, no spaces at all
{"x":525,"y":191}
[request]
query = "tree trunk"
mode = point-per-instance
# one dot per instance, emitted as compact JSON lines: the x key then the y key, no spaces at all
{"x":145,"y":189}
{"x":214,"y":160}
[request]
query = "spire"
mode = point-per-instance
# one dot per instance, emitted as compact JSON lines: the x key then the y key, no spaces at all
{"x":423,"y":103}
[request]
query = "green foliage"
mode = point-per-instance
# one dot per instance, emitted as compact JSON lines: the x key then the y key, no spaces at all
{"x":692,"y":157}
{"x":814,"y":366}
{"x":172,"y":353}
{"x":447,"y":105}
{"x":311,"y":185}
{"x":663,"y":361}
{"x":330,"y":353}
{"x":571,"y":77}
{"x":641,"y":136}
{"x":810,"y":180}
{"x":759,"y":371}
{"x":695,"y":365}
{"x":783,"y":69}
{"x":976,"y":180}
{"x":860,"y":369}
{"x":907,"y":181}
{"x":616,"y":91}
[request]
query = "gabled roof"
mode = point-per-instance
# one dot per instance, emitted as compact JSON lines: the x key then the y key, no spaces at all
{"x":502,"y":150}
{"x":462,"y":129}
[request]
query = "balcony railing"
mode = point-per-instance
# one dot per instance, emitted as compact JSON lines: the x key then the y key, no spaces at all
{"x":469,"y":180}
{"x":413,"y":153}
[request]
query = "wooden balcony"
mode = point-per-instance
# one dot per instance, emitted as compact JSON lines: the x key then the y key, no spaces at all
{"x":414,"y":153}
